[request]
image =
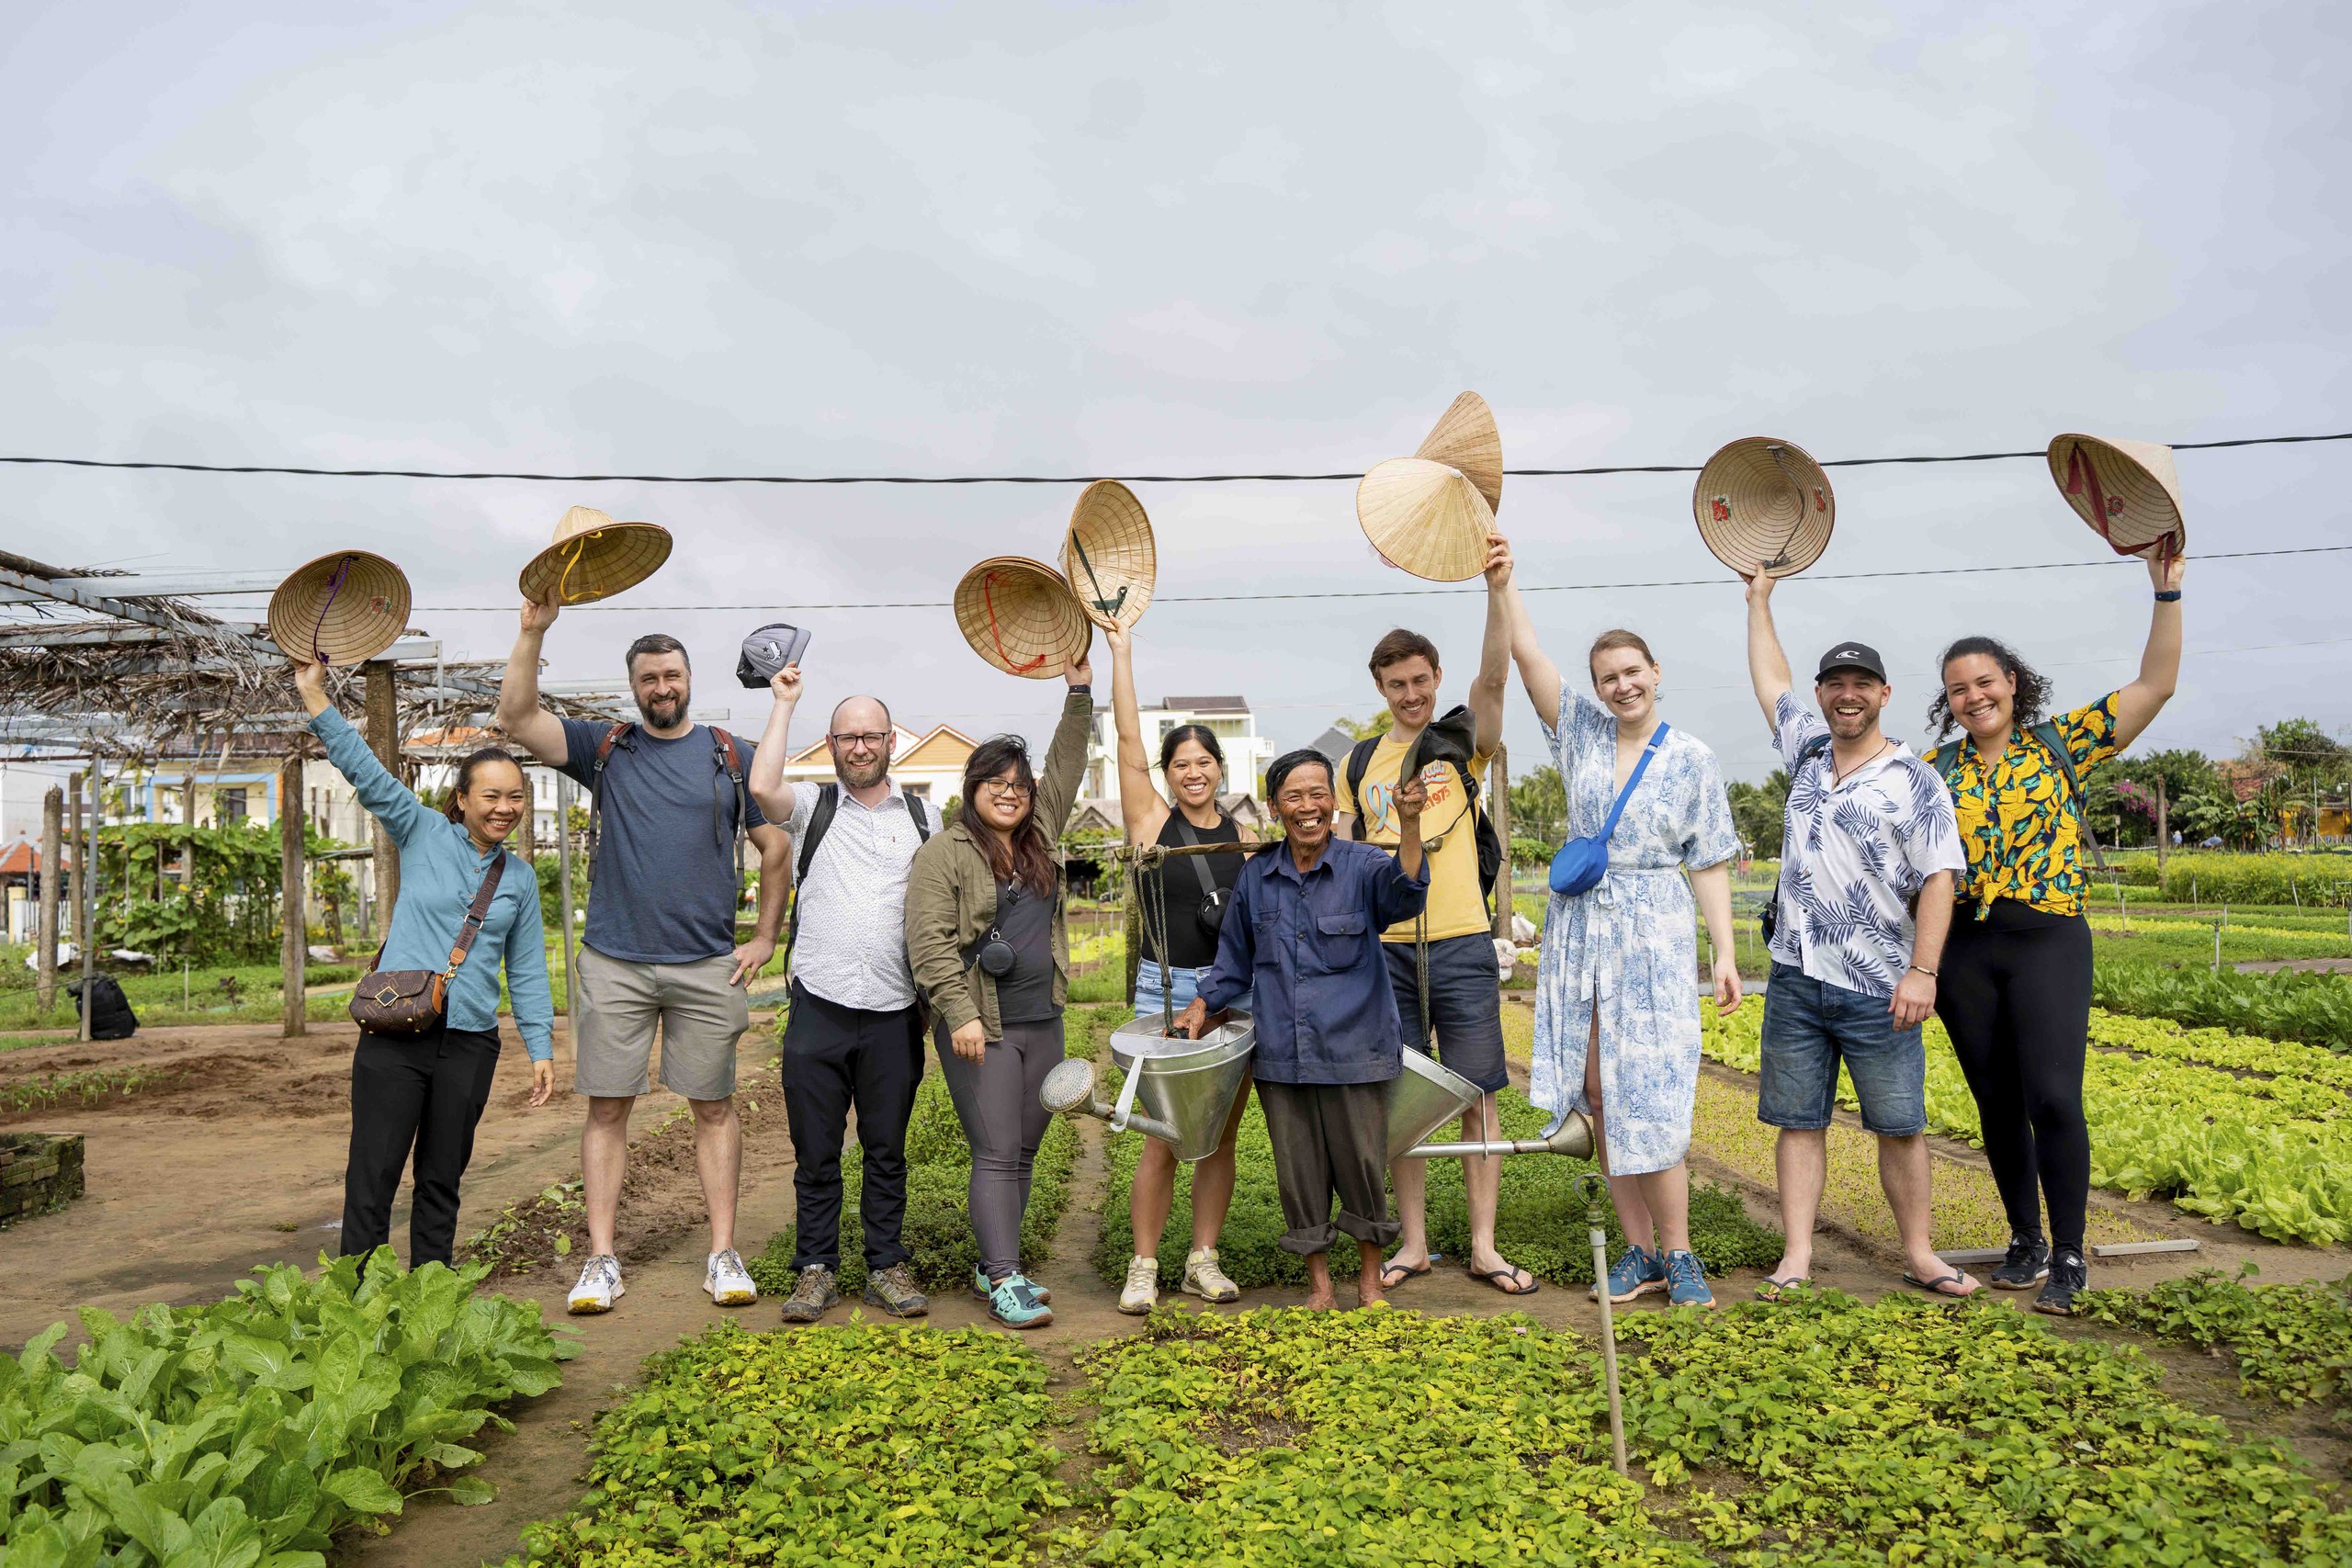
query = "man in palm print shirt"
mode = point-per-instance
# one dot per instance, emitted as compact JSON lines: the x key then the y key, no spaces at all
{"x":1871,"y":837}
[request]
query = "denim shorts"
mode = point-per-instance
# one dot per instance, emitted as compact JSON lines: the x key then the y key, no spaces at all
{"x":1465,"y":1005}
{"x":1809,"y":1027}
{"x":1184,"y":985}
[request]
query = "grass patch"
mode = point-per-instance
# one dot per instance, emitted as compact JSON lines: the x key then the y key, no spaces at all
{"x":85,"y":1089}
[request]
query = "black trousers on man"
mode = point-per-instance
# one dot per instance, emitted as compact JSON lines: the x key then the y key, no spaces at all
{"x":422,"y":1093}
{"x":837,"y":1058}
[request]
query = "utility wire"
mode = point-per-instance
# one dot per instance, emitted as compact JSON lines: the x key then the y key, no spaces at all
{"x":1044,"y":479}
{"x":1415,"y":592}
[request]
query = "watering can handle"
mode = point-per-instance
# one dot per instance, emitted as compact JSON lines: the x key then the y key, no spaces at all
{"x":1126,"y":1095}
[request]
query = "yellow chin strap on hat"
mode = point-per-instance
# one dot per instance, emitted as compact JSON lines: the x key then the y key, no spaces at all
{"x":579,"y":543}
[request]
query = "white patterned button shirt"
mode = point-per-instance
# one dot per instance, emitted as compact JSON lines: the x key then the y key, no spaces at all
{"x":1853,"y":857}
{"x":852,"y":949}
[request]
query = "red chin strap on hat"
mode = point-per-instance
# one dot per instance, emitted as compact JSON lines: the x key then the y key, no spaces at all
{"x":987,"y":596}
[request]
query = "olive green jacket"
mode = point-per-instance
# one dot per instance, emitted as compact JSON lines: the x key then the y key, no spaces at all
{"x":951,"y":892}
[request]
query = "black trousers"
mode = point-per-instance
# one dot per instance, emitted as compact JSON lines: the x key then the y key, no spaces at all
{"x":2015,"y":994}
{"x":1329,"y":1139}
{"x":424,"y":1093}
{"x":836,"y":1058}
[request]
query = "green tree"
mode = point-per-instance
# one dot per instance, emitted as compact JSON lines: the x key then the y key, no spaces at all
{"x":1759,"y":812}
{"x":1539,"y":807}
{"x":1363,"y":729}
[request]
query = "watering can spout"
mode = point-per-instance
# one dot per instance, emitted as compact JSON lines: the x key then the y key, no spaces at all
{"x":1069,"y":1090}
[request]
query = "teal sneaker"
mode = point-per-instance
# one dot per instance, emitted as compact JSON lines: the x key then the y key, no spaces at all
{"x":980,"y":1287}
{"x":1636,"y":1272}
{"x":1687,"y":1281}
{"x":1013,"y":1302}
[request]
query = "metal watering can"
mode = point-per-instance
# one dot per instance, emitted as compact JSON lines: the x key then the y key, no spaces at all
{"x":1186,"y":1089}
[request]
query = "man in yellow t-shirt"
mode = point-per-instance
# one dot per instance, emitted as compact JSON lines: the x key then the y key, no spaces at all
{"x":1465,"y":980}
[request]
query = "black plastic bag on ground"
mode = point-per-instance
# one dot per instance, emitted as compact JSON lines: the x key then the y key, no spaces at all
{"x":110,"y":1014}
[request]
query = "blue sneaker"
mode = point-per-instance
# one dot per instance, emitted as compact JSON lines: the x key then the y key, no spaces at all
{"x":1013,"y":1302}
{"x":980,"y":1287}
{"x":1636,"y":1272}
{"x":1687,"y":1281}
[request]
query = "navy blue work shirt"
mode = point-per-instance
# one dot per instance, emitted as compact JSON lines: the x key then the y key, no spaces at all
{"x":1311,"y":946}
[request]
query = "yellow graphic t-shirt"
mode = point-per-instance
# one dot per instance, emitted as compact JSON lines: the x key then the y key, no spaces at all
{"x":1457,"y":906}
{"x":2017,"y":820}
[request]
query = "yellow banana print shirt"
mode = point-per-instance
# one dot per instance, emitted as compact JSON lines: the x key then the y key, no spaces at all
{"x":2023,"y":836}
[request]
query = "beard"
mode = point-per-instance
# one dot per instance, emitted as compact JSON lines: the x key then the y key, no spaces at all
{"x":661,"y":713}
{"x":861,"y":775}
{"x":1851,"y":727}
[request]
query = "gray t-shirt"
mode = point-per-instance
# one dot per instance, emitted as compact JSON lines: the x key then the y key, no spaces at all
{"x":1026,"y":920}
{"x":665,"y":888}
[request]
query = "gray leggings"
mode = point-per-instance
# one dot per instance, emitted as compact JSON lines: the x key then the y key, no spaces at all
{"x":996,"y":1099}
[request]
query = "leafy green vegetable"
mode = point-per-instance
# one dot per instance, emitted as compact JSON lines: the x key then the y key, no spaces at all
{"x":2285,"y":1005}
{"x":250,"y":1431}
{"x":2292,"y":1342}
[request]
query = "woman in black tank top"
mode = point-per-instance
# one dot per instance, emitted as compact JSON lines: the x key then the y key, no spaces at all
{"x":1194,"y":890}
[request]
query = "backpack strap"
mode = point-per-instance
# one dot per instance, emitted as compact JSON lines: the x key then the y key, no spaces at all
{"x":615,"y":735}
{"x":731,"y":762}
{"x":921,"y":813}
{"x":829,"y":802}
{"x":1359,"y":760}
{"x":2055,"y":744}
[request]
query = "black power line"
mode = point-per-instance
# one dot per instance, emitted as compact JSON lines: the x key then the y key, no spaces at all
{"x":1041,"y":479}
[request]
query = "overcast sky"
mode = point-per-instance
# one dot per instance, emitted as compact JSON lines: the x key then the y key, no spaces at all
{"x":934,"y":239}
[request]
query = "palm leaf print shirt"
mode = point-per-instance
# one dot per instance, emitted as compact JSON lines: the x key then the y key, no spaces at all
{"x":2019,"y":821}
{"x":1853,"y":855}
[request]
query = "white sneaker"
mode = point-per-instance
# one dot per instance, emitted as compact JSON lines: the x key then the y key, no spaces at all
{"x":728,"y":1283}
{"x":1204,"y":1279}
{"x":600,"y":1285}
{"x":1142,"y":1292}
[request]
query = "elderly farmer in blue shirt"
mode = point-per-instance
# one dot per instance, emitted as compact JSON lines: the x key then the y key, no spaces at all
{"x":1304,"y":930}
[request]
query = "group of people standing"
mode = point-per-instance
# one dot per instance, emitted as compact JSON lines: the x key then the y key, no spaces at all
{"x":1950,"y":884}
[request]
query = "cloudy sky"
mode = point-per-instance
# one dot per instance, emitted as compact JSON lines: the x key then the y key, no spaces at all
{"x":932,"y":238}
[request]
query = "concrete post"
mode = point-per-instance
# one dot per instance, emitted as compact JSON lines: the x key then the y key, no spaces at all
{"x":52,"y":890}
{"x":293,"y":916}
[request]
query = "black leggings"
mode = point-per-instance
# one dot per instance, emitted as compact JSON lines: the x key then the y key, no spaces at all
{"x":423,"y":1095}
{"x":2015,"y":994}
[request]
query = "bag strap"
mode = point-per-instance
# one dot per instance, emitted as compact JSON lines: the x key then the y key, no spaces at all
{"x":475,"y":913}
{"x":1191,"y":835}
{"x":1641,"y":766}
{"x":829,"y":801}
{"x":1359,"y":760}
{"x":613,"y":735}
{"x":919,"y":812}
{"x":731,"y":762}
{"x":2047,"y":733}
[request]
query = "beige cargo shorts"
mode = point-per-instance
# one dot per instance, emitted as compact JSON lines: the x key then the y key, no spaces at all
{"x":699,"y":1015}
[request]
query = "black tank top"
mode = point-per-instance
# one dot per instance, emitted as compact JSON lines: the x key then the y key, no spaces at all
{"x":1190,"y":945}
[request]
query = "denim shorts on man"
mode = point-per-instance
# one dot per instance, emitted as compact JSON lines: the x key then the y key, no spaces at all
{"x":1809,"y":1027}
{"x":1465,"y":1005}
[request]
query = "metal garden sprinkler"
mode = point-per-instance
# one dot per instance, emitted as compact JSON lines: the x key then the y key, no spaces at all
{"x":1595,"y":1189}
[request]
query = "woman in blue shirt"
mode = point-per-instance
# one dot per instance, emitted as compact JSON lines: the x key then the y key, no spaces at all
{"x":425,"y":1092}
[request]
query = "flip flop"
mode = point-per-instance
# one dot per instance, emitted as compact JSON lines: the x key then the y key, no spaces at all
{"x":1404,"y":1273}
{"x":1777,"y":1290}
{"x":1511,"y":1271}
{"x":1936,"y":1287}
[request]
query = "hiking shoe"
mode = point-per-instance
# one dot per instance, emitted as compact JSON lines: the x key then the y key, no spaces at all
{"x":2027,"y":1265}
{"x":980,"y":1287}
{"x":1636,"y":1273}
{"x":811,"y":1296}
{"x":1687,"y":1281}
{"x":600,"y":1285}
{"x":1204,"y":1279}
{"x":1142,"y":1292}
{"x":728,"y":1283}
{"x":2067,"y":1275}
{"x":893,"y":1290}
{"x":1013,"y":1301}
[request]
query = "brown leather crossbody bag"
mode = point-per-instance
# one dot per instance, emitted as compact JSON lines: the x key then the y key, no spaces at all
{"x":414,"y":1001}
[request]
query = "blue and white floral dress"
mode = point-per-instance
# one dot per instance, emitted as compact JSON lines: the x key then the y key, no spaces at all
{"x":1631,"y":942}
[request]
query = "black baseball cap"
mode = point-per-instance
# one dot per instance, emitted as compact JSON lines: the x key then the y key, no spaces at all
{"x":1852,"y":655}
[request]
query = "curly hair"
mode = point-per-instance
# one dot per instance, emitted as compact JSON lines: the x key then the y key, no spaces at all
{"x":2033,"y":687}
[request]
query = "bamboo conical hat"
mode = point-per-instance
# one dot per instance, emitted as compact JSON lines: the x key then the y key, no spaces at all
{"x":1020,"y":617}
{"x":340,"y":609}
{"x":595,"y":558}
{"x":2128,"y":491}
{"x":1429,"y":519}
{"x":1763,"y":504}
{"x":1108,"y":557}
{"x":1465,"y":439}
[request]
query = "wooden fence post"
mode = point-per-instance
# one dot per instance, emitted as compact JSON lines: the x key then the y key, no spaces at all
{"x":86,"y":887}
{"x":293,"y":916}
{"x":1498,"y":808}
{"x":384,"y":739}
{"x":52,"y":890}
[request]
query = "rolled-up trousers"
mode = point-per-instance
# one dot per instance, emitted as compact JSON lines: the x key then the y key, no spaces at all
{"x":1329,"y":1139}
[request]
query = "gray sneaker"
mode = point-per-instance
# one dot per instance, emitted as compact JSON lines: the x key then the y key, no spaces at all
{"x":811,"y":1296}
{"x":893,"y":1290}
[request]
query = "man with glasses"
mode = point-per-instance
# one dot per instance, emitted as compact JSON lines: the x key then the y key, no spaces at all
{"x":855,"y":1036}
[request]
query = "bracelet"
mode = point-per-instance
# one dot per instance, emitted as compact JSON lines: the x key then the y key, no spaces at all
{"x":1925,"y":970}
{"x":2168,"y":596}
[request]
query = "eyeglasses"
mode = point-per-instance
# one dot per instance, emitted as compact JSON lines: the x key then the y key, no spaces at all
{"x":872,"y":740}
{"x":1005,"y":790}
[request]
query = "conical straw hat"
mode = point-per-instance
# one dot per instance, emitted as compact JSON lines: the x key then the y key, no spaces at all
{"x":1764,"y":506}
{"x":1020,"y":617}
{"x":340,"y":609}
{"x":1432,"y":520}
{"x":1107,"y":556}
{"x":595,"y":558}
{"x":2128,"y":491}
{"x":1465,"y":439}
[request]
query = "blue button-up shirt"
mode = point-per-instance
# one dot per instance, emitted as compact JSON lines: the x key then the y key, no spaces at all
{"x":1311,"y":946}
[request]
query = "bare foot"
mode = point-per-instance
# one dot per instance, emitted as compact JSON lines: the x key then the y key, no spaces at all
{"x":1322,"y":1299}
{"x":1368,"y":1291}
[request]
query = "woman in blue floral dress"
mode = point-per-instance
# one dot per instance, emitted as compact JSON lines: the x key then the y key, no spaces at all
{"x":1617,"y":995}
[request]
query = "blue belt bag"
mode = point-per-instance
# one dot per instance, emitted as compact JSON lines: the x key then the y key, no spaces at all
{"x":1582,"y":862}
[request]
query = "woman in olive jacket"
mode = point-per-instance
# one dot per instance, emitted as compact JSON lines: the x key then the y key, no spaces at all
{"x":986,"y":939}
